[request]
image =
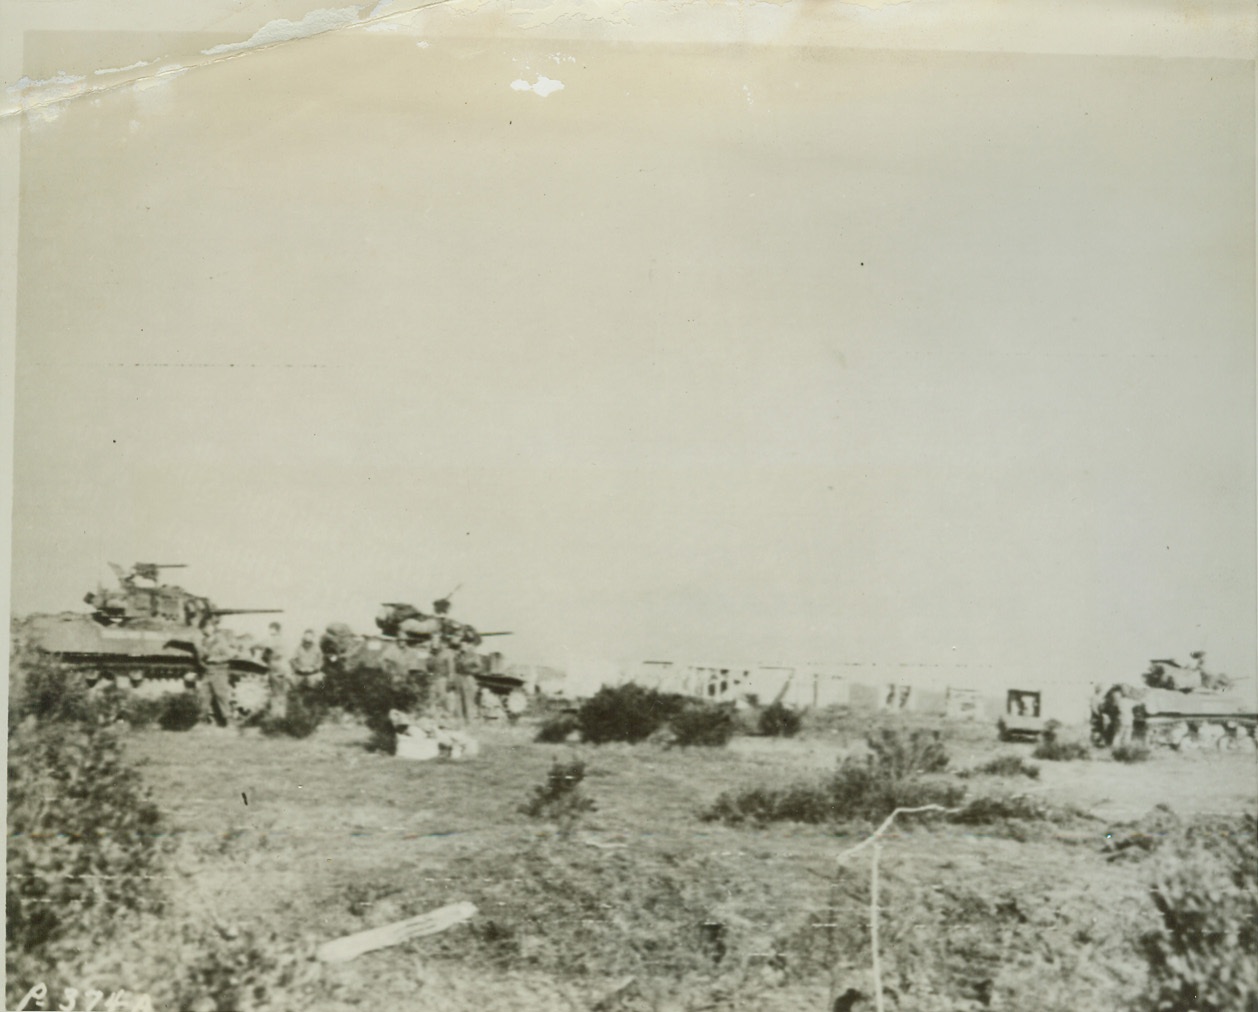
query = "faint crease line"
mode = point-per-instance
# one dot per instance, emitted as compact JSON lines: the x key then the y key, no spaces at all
{"x":183,"y":365}
{"x":41,"y":102}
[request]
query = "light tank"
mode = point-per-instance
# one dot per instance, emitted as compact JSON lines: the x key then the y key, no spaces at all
{"x":144,"y":634}
{"x":417,"y":633}
{"x":1184,"y":707}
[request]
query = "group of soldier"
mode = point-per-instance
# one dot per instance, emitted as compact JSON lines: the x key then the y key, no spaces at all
{"x":449,"y":668}
{"x":218,"y":648}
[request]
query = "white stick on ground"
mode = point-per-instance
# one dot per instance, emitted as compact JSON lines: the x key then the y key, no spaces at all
{"x":872,"y":841}
{"x":352,"y":946}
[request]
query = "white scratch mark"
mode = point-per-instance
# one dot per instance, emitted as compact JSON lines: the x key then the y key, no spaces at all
{"x":380,"y":8}
{"x":122,"y":70}
{"x":43,"y":100}
{"x":562,"y":58}
{"x":164,"y":74}
{"x":543,"y":86}
{"x":283,"y":30}
{"x":422,"y":44}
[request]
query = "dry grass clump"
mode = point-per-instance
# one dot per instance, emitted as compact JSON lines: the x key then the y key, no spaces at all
{"x":1004,"y":766}
{"x":561,"y":798}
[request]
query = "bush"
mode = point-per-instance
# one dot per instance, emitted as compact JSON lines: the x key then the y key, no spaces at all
{"x":992,"y":808}
{"x":357,"y":685}
{"x":780,"y":721}
{"x":240,"y":968}
{"x":870,"y":789}
{"x":1005,"y":766}
{"x":1205,"y":889}
{"x":811,"y":803}
{"x":560,"y":799}
{"x":627,"y":713}
{"x":557,"y":729}
{"x":1053,"y":749}
{"x":141,"y":711}
{"x":703,"y":724}
{"x":1132,"y":752}
{"x":180,"y":711}
{"x":900,"y":754}
{"x":83,"y":843}
{"x":46,"y":690}
{"x":1143,"y":837}
{"x":304,"y":711}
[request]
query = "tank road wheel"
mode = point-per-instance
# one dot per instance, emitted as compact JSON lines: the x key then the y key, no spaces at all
{"x":249,"y":695}
{"x":1230,"y":739}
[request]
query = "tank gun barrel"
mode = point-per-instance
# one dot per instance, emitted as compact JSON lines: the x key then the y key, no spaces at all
{"x":246,"y":611}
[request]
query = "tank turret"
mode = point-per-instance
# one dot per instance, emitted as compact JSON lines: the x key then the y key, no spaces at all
{"x":140,"y":599}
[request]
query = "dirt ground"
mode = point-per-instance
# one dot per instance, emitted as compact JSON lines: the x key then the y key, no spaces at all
{"x":319,"y":838}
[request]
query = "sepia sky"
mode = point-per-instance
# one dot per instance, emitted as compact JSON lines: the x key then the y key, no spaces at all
{"x":724,"y":353}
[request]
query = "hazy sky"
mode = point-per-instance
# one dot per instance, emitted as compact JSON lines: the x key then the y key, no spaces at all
{"x":728,"y":353}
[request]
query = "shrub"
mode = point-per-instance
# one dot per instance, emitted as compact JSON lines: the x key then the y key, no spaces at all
{"x":1005,"y":766}
{"x":871,"y":792}
{"x":303,"y":713}
{"x":627,"y":712}
{"x":47,"y":690}
{"x":1205,"y":890}
{"x":992,"y":808}
{"x":890,"y":777}
{"x":560,"y":799}
{"x":142,"y":711}
{"x":703,"y":724}
{"x":811,"y":803}
{"x":83,"y":841}
{"x":1142,"y":837}
{"x":897,"y":754}
{"x":1132,"y":752}
{"x":180,"y":711}
{"x":357,"y":685}
{"x":1053,"y":749}
{"x":780,"y":721}
{"x":240,"y":968}
{"x":557,"y":729}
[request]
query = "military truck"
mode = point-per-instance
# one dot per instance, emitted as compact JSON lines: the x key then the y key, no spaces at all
{"x":144,"y":635}
{"x":1022,"y":717}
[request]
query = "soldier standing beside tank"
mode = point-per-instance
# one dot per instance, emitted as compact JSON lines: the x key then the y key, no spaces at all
{"x":277,"y":671}
{"x":1125,"y":719}
{"x":467,"y":665}
{"x":307,"y":662}
{"x":440,"y":675}
{"x":214,"y":686}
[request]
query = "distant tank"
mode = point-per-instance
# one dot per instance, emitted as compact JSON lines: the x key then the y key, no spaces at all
{"x":1183,"y":707}
{"x":420,"y":632}
{"x":143,"y":634}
